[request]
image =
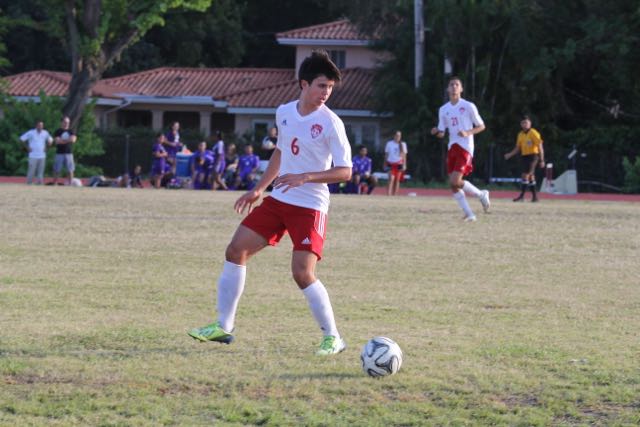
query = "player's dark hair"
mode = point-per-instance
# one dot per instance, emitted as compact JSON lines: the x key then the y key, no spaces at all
{"x":452,"y":78}
{"x":316,"y":65}
{"x":525,"y":117}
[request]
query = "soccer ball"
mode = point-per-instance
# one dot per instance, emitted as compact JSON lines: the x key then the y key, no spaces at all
{"x":267,"y":144}
{"x":380,"y":357}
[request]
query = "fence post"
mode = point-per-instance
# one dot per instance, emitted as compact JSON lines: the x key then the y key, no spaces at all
{"x":126,"y":153}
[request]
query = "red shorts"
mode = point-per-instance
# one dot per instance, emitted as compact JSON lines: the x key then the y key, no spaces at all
{"x":396,"y":171}
{"x":273,"y":218}
{"x":459,"y":160}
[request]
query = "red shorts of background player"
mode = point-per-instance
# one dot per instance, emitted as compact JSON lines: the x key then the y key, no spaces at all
{"x":273,"y":218}
{"x":396,"y":171}
{"x":459,"y":160}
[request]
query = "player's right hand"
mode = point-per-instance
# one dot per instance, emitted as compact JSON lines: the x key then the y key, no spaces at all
{"x":246,"y":201}
{"x":434,"y":131}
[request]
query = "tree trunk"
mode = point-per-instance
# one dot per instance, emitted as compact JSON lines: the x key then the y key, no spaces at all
{"x":79,"y":91}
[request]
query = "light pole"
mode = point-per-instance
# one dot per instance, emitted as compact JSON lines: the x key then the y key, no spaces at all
{"x":419,"y":40}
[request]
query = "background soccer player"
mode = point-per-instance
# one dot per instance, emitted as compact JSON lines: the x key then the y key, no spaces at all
{"x":460,"y":117}
{"x":395,"y":158}
{"x":310,"y":138}
{"x":529,"y":144}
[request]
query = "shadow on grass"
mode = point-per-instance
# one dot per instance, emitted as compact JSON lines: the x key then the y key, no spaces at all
{"x":319,"y":375}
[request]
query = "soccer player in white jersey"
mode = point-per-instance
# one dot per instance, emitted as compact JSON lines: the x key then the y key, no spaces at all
{"x":460,"y":117}
{"x":310,"y":138}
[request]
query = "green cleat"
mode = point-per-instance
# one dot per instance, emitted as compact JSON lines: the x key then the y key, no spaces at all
{"x":331,"y":345}
{"x":212,"y":332}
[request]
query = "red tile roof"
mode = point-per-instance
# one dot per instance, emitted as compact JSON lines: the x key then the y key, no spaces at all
{"x":353,"y":93}
{"x":53,"y":83}
{"x":246,"y":88}
{"x":214,"y":82}
{"x":337,"y":30}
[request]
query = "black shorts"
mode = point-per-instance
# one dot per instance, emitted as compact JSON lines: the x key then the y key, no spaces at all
{"x":529,"y":163}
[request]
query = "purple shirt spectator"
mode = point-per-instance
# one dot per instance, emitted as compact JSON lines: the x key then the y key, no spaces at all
{"x":159,"y":163}
{"x":203,"y":160}
{"x":361,"y":165}
{"x":247,"y":164}
{"x":218,"y":157}
{"x":173,"y":143}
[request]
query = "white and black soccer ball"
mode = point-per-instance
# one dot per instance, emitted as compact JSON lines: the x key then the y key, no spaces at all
{"x":381,"y":356}
{"x":267,"y":144}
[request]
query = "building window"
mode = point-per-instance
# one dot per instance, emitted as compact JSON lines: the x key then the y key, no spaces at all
{"x":133,"y":118}
{"x":339,"y":57}
{"x":370,"y":136}
{"x":367,"y":134}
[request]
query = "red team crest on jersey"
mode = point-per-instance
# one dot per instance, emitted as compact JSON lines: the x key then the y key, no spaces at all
{"x":315,"y":131}
{"x":462,"y":110}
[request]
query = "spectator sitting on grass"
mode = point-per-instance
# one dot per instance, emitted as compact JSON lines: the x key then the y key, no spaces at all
{"x":249,"y":164}
{"x":231,"y":160}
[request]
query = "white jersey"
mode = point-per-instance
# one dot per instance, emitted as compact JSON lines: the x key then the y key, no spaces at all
{"x":309,"y":144}
{"x":37,"y":143}
{"x":392,"y":149}
{"x":461,"y":116}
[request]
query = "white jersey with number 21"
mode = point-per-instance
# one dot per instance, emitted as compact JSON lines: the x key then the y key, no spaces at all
{"x":462,"y":116}
{"x":309,"y":144}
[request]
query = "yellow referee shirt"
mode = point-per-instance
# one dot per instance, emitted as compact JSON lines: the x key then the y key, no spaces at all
{"x":529,"y":142}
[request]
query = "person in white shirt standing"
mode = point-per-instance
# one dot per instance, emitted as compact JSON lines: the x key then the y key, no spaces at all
{"x":310,"y":138}
{"x":460,"y":117}
{"x":395,"y":158}
{"x":37,"y":141}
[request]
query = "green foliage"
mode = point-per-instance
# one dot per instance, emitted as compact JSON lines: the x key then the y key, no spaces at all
{"x":4,"y":28}
{"x":22,"y":116}
{"x":564,"y":63}
{"x":631,"y":175}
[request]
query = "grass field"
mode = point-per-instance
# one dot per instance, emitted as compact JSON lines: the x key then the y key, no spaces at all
{"x":500,"y":324}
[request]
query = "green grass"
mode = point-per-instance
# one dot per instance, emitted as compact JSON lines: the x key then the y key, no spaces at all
{"x":500,"y":324}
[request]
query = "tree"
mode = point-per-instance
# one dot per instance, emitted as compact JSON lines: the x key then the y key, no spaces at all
{"x":4,"y":27}
{"x":569,"y":64}
{"x":98,"y":31}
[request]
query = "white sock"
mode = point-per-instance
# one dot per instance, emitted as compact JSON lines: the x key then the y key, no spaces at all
{"x":230,"y":287}
{"x":469,"y":188}
{"x":320,"y":306}
{"x":462,"y":202}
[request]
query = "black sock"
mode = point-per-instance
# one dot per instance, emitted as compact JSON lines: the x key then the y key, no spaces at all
{"x":523,"y":188}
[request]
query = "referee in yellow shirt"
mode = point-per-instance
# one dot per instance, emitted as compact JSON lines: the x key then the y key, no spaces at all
{"x":529,"y":144}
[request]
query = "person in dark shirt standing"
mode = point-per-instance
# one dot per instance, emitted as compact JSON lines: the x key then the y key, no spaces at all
{"x":64,"y":138}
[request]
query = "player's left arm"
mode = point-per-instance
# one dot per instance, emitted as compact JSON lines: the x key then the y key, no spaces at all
{"x":478,"y":123}
{"x":473,"y":131}
{"x":330,"y":176}
{"x":403,"y":154}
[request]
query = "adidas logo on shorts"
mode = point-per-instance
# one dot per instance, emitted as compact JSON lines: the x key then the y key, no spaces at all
{"x":306,"y":241}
